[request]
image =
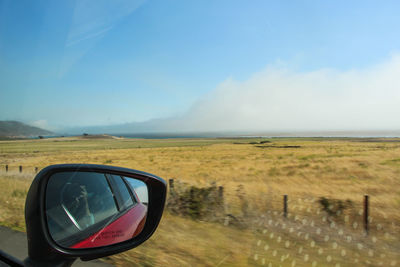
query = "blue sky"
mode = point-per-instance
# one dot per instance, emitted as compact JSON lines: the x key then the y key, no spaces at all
{"x":98,"y":62}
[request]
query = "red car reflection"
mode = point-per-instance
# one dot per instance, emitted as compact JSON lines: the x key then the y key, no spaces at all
{"x":124,"y":228}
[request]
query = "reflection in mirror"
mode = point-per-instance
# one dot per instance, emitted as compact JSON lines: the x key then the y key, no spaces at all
{"x":91,"y":209}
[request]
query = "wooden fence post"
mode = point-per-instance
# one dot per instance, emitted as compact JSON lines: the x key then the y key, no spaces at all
{"x":285,"y":206}
{"x":20,"y":168}
{"x":221,"y":192}
{"x":171,"y":184}
{"x":220,"y":199}
{"x":6,"y":168}
{"x":366,"y":214}
{"x":36,"y":169}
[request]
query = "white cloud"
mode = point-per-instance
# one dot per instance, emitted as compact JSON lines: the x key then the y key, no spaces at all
{"x":278,"y":99}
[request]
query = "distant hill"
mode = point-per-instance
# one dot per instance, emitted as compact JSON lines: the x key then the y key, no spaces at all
{"x":15,"y":129}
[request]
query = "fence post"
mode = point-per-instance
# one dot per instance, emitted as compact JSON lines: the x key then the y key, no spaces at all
{"x":191,"y":203}
{"x":36,"y":169}
{"x":220,"y":199}
{"x":171,"y":184}
{"x":191,"y":194}
{"x":285,"y":207}
{"x":366,"y":213}
{"x":20,"y":168}
{"x":221,"y":192}
{"x":6,"y":168}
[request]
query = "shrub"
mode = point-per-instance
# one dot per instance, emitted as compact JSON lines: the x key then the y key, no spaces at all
{"x":334,"y":207}
{"x":196,"y":202}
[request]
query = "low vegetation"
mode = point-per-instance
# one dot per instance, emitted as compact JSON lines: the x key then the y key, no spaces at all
{"x":325,"y":180}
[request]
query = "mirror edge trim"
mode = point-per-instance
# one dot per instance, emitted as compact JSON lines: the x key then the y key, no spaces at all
{"x":40,"y":243}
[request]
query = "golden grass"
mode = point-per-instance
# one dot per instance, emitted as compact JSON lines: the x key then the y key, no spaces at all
{"x":184,"y":242}
{"x":12,"y":200}
{"x":333,"y":168}
{"x":339,"y":169}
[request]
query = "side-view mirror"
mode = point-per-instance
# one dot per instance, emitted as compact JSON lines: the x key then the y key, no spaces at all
{"x":90,"y":211}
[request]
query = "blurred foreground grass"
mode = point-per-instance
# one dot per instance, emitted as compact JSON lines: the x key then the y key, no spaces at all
{"x":178,"y":241}
{"x":13,"y":190}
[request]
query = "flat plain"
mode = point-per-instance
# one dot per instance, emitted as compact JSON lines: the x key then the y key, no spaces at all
{"x":255,"y":173}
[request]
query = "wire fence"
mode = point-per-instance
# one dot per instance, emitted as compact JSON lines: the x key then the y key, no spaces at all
{"x":301,"y":231}
{"x":291,"y":230}
{"x":15,"y":169}
{"x":314,"y":237}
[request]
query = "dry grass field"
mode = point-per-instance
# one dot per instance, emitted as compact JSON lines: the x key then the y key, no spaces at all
{"x":255,"y":175}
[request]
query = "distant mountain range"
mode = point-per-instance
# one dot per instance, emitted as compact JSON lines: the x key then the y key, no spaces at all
{"x":15,"y":129}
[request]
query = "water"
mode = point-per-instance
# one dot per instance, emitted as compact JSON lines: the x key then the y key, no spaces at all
{"x":315,"y":134}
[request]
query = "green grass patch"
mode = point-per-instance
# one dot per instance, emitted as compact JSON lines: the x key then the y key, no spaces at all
{"x":393,"y":162}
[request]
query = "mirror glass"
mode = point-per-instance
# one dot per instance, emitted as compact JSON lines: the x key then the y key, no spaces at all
{"x":92,"y":209}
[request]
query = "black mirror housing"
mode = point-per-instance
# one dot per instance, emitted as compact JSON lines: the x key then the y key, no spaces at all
{"x":41,"y":246}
